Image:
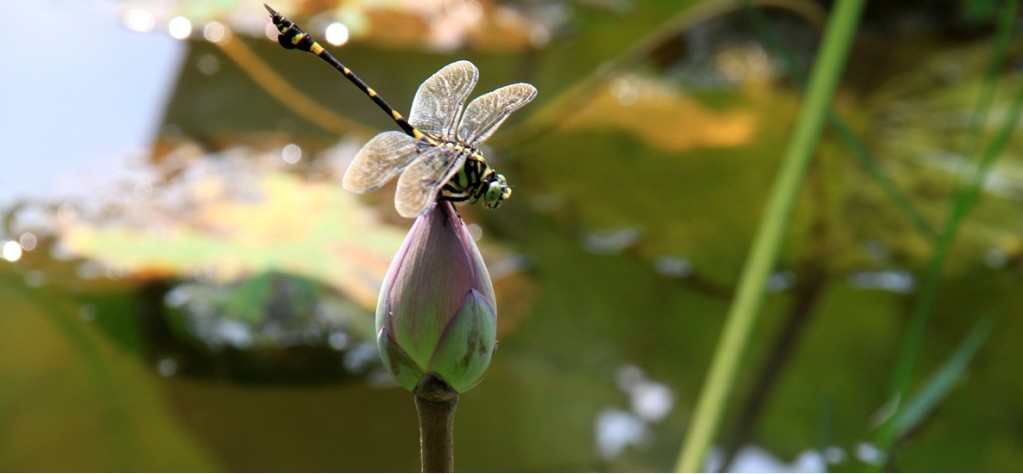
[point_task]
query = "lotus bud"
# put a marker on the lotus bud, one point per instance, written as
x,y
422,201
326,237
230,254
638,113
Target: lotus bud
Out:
x,y
436,313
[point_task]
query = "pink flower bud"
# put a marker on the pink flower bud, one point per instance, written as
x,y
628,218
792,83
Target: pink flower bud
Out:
x,y
436,312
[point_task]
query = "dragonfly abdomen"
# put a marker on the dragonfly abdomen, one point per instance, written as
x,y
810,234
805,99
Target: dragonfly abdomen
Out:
x,y
293,37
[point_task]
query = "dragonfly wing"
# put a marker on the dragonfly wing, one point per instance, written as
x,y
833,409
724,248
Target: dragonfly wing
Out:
x,y
379,160
439,100
419,184
488,111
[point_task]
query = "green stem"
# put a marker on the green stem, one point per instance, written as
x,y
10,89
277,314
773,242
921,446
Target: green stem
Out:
x,y
742,315
842,129
935,266
987,92
435,403
873,166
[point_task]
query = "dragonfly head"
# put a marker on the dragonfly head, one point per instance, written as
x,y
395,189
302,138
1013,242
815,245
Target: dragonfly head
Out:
x,y
497,190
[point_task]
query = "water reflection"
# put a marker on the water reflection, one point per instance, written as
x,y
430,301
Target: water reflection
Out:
x,y
673,266
612,241
269,327
618,429
869,454
243,269
753,458
649,402
895,281
246,265
270,310
361,358
780,281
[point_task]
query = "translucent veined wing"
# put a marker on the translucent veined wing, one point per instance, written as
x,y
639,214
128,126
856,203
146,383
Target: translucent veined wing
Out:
x,y
485,113
420,183
439,100
379,160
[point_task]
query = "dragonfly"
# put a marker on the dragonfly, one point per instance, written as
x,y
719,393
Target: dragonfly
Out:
x,y
437,153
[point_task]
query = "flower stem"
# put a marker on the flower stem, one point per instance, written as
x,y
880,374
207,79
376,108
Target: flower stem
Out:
x,y
742,316
436,402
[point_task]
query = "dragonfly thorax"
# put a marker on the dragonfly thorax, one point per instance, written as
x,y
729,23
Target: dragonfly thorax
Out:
x,y
476,180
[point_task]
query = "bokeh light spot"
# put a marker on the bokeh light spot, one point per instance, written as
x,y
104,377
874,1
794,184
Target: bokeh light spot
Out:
x,y
11,251
139,20
216,32
291,153
208,64
179,27
28,241
336,34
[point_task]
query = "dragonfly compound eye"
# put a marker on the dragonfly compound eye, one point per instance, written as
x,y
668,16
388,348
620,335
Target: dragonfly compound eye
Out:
x,y
497,191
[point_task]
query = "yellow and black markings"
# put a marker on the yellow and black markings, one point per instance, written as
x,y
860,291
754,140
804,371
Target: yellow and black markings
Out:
x,y
473,180
292,37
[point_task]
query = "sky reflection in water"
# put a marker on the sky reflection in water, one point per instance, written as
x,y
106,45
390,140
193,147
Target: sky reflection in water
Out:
x,y
85,101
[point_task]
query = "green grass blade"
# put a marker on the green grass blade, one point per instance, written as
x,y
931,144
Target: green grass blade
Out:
x,y
842,129
967,195
941,382
1003,36
960,208
767,243
873,166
